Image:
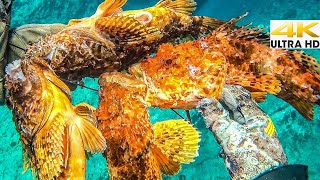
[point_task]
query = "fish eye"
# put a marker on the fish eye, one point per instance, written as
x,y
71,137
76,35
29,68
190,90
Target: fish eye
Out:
x,y
168,61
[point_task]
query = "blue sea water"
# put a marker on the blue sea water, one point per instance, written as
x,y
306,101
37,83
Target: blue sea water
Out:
x,y
299,137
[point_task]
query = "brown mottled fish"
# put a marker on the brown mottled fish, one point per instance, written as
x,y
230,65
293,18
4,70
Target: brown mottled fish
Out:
x,y
136,148
55,135
112,40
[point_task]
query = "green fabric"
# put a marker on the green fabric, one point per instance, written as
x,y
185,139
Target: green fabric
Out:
x,y
21,37
5,7
18,41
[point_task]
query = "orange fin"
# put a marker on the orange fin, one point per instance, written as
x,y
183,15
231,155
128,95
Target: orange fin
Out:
x,y
305,108
180,6
255,83
259,96
307,61
167,165
127,30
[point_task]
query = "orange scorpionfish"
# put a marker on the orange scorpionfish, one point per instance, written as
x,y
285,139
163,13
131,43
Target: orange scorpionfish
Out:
x,y
112,40
55,135
178,76
136,148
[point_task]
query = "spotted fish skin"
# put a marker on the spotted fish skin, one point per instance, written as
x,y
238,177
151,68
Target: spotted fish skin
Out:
x,y
54,134
136,148
291,75
250,146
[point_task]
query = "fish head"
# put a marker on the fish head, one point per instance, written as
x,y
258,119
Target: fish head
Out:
x,y
24,79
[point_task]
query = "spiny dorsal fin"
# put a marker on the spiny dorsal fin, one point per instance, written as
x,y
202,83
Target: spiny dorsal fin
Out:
x,y
177,139
229,25
180,6
167,165
212,23
127,30
254,33
49,148
109,7
92,138
106,8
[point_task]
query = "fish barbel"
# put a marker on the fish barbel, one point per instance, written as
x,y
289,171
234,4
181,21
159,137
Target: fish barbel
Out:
x,y
178,76
136,148
54,134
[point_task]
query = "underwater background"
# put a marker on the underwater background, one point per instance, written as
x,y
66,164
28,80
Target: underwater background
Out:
x,y
299,137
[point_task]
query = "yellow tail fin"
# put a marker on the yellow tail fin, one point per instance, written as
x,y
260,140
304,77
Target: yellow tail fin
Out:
x,y
92,138
177,139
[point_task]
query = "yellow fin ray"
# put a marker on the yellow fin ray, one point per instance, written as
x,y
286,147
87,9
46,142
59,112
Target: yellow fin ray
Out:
x,y
92,138
109,7
180,6
49,148
177,139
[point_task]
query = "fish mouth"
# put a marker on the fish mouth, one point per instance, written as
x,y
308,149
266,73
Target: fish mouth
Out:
x,y
14,71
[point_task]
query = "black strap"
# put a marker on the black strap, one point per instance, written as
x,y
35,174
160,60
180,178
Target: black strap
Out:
x,y
296,171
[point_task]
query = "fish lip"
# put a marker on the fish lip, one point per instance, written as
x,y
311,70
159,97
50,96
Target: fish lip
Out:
x,y
14,71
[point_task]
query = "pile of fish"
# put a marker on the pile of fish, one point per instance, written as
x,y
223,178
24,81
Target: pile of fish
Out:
x,y
114,45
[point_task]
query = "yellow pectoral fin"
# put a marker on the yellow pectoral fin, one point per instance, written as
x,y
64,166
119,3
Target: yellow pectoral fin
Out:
x,y
92,138
50,148
167,165
127,30
177,139
180,6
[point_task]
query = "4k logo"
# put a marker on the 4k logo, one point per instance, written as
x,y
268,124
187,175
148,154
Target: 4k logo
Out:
x,y
296,34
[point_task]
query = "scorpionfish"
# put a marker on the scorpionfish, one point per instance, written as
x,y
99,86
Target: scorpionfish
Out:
x,y
136,148
179,75
55,135
111,40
